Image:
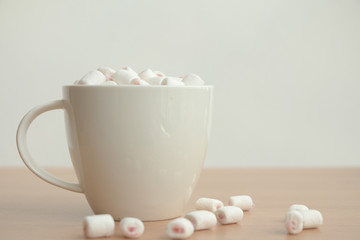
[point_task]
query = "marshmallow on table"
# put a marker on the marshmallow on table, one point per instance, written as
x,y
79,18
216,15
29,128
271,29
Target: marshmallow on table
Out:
x,y
296,221
147,74
172,81
131,227
298,207
244,202
229,214
179,228
98,226
193,80
108,72
123,76
208,204
202,219
92,78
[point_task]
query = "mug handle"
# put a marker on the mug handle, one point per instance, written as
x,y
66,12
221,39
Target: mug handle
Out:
x,y
24,151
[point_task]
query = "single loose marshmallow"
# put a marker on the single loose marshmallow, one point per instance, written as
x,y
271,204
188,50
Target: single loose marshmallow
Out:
x,y
123,76
139,81
202,219
208,204
92,78
242,201
98,226
155,80
147,74
193,80
298,207
312,219
131,227
296,221
179,228
108,72
229,214
172,81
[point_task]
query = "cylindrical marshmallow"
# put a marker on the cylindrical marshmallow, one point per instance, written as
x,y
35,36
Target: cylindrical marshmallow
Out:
x,y
242,201
172,81
123,76
159,74
202,219
98,226
229,214
298,207
179,228
208,204
92,78
155,80
130,70
107,71
139,81
193,80
147,74
109,83
312,219
131,227
294,222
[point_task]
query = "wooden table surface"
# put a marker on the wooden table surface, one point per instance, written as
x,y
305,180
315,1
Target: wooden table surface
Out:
x,y
33,209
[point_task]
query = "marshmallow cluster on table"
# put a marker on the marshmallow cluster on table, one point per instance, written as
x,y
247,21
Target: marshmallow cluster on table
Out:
x,y
209,212
127,76
300,217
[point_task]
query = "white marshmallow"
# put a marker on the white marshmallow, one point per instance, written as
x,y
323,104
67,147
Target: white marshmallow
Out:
x,y
92,78
208,204
229,214
242,201
312,219
108,72
123,76
131,227
130,70
172,81
147,74
179,228
193,80
298,207
296,221
139,81
159,74
155,80
95,226
110,83
202,219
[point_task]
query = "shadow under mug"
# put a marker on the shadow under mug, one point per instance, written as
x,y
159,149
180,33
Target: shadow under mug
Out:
x,y
137,151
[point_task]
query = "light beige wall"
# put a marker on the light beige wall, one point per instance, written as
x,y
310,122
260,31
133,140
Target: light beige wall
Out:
x,y
286,73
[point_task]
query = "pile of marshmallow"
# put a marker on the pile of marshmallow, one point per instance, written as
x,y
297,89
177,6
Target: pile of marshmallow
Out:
x,y
127,76
300,217
209,213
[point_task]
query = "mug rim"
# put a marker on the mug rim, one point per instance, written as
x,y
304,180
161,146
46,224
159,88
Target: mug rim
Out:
x,y
136,86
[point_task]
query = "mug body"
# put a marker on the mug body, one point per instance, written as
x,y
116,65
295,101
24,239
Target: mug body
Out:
x,y
138,151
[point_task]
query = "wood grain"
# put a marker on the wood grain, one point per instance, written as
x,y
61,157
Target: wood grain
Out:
x,y
33,209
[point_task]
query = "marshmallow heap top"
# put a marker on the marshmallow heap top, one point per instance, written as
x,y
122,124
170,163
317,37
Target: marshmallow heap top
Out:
x,y
127,76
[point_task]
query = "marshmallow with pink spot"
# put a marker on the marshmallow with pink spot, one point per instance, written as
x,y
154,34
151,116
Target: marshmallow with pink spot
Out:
x,y
127,76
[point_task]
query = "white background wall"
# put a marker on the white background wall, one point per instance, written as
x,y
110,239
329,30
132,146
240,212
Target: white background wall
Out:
x,y
286,73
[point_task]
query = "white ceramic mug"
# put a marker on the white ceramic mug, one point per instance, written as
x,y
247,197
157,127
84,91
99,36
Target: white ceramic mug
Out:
x,y
137,151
